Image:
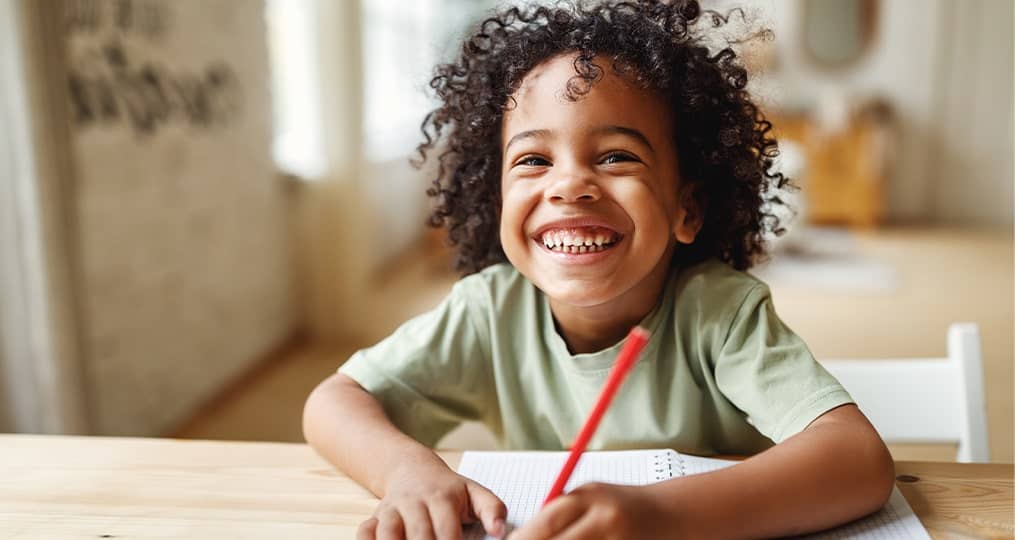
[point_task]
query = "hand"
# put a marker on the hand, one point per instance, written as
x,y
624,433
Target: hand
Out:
x,y
599,511
432,502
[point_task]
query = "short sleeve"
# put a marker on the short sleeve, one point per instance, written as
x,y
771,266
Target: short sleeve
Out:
x,y
431,373
766,371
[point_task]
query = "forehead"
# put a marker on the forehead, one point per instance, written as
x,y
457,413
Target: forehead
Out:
x,y
542,102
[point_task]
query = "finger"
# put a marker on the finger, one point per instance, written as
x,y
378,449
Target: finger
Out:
x,y
389,525
557,516
367,530
490,510
585,527
445,519
416,521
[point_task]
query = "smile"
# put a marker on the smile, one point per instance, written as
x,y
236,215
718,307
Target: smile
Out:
x,y
576,240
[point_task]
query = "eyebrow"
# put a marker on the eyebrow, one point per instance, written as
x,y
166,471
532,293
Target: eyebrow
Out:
x,y
607,129
532,133
630,132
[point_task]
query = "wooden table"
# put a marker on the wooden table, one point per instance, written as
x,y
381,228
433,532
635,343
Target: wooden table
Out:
x,y
95,487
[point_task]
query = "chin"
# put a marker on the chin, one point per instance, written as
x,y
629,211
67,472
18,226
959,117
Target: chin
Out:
x,y
577,293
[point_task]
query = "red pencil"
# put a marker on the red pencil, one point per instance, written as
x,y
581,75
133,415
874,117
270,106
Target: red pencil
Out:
x,y
636,341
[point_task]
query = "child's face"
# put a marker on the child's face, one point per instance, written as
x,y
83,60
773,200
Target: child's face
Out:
x,y
601,170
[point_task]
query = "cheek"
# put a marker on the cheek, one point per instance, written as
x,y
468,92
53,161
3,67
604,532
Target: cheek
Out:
x,y
656,230
649,209
513,212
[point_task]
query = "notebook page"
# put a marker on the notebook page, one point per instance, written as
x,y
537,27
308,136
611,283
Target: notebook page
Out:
x,y
895,521
695,465
523,479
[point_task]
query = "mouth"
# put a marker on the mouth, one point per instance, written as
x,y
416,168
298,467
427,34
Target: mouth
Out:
x,y
577,240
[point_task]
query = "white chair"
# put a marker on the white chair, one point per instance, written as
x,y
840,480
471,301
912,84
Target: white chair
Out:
x,y
932,400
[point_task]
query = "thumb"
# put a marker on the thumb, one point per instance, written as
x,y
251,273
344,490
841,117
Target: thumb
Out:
x,y
490,510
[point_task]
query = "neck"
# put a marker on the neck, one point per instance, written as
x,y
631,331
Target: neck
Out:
x,y
588,329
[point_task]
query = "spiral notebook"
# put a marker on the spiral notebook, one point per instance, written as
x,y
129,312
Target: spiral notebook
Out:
x,y
522,480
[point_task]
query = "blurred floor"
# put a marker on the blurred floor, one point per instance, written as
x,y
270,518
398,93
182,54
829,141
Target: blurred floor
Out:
x,y
268,403
945,275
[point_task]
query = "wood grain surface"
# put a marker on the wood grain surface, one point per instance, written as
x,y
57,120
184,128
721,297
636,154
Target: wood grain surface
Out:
x,y
959,500
56,487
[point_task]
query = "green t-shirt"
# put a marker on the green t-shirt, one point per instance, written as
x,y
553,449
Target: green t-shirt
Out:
x,y
721,373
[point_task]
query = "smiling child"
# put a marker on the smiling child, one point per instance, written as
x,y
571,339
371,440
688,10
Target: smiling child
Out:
x,y
601,168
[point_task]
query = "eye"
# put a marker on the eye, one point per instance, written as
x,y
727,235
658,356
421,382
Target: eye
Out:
x,y
532,161
617,157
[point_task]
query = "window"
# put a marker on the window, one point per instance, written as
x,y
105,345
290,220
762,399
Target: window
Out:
x,y
402,41
298,145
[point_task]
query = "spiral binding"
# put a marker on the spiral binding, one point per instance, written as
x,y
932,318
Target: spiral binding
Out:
x,y
666,465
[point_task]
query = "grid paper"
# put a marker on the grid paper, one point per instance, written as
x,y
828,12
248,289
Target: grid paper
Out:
x,y
522,480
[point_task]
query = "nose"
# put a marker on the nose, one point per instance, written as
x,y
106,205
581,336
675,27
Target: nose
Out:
x,y
573,186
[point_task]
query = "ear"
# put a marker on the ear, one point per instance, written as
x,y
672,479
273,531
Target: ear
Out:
x,y
690,216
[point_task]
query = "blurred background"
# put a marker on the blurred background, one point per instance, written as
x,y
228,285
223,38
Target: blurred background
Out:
x,y
206,205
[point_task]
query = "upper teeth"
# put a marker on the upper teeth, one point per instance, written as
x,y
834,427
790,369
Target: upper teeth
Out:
x,y
570,238
558,239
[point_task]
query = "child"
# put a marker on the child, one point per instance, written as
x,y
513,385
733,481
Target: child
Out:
x,y
600,168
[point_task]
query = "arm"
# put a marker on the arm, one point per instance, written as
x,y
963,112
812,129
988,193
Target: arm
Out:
x,y
836,470
348,427
339,419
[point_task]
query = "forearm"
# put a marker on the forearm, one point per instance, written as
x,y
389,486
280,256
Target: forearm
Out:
x,y
831,473
348,427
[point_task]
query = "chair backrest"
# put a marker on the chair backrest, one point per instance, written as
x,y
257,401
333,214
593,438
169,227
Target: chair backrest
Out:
x,y
924,400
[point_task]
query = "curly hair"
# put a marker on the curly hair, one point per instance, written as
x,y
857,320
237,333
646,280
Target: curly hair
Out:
x,y
725,149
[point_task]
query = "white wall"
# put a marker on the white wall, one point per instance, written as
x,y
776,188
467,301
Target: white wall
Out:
x,y
397,192
178,217
972,150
